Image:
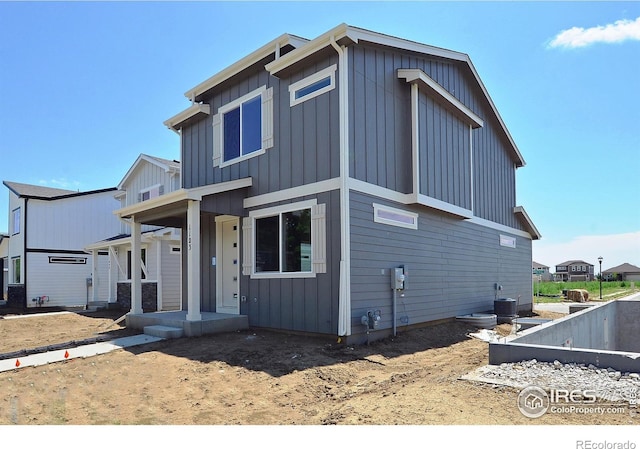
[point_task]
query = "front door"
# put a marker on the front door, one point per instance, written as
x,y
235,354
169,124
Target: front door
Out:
x,y
227,265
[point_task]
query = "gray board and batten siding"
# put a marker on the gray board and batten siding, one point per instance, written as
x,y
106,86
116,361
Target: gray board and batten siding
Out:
x,y
453,264
380,134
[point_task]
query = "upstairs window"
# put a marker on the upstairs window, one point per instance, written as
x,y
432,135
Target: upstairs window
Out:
x,y
151,192
16,221
243,128
313,85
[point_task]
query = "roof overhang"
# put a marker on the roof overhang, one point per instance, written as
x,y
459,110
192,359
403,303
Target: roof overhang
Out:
x,y
527,222
139,160
175,203
265,51
195,111
345,34
441,95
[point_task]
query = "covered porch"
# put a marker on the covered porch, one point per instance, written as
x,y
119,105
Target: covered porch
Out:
x,y
184,209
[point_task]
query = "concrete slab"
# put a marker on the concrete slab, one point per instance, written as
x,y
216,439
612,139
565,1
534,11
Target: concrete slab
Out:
x,y
158,330
78,352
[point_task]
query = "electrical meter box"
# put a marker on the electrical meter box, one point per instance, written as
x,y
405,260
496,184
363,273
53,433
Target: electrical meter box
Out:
x,y
398,278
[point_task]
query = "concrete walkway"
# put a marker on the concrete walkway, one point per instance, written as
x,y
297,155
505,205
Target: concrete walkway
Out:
x,y
73,353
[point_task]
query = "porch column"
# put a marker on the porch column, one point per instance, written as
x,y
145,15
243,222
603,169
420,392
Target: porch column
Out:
x,y
94,275
136,267
193,261
112,297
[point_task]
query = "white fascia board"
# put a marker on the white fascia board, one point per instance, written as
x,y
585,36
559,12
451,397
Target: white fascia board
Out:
x,y
355,35
142,157
520,160
182,195
193,110
242,64
528,223
424,81
443,206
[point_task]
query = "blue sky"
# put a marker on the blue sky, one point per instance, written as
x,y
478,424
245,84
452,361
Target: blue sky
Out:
x,y
85,88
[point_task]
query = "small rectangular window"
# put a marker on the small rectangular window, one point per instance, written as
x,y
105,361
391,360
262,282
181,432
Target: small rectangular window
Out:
x,y
16,221
242,128
68,260
312,86
394,217
509,242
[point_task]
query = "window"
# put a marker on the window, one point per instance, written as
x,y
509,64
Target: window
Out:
x,y
15,265
143,257
509,242
68,260
174,249
151,192
243,128
312,86
285,241
394,217
16,221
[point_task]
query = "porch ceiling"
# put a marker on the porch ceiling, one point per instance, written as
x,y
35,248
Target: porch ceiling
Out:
x,y
170,209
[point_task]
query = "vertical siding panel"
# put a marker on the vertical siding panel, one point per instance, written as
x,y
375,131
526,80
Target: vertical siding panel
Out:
x,y
309,147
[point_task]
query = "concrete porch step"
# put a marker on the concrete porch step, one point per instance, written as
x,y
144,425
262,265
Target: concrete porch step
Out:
x,y
158,330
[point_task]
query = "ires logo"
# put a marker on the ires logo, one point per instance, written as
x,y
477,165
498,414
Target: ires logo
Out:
x,y
533,401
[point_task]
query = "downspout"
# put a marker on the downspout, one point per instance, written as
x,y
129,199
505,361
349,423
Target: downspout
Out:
x,y
344,301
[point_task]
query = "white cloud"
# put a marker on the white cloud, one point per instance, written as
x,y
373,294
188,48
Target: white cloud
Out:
x,y
615,250
618,31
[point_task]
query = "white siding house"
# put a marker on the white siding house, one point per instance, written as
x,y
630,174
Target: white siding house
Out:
x,y
49,228
148,178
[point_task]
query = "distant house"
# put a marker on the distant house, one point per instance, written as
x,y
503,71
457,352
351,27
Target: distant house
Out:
x,y
49,229
540,271
574,270
317,173
4,265
148,178
624,272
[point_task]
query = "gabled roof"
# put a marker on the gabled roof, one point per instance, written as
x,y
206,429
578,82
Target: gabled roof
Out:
x,y
46,193
165,164
535,264
624,268
346,34
572,262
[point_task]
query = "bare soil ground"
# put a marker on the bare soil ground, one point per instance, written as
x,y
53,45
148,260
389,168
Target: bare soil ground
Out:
x,y
258,377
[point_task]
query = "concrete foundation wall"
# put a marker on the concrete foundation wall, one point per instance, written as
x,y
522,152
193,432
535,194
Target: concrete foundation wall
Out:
x,y
594,328
603,335
628,323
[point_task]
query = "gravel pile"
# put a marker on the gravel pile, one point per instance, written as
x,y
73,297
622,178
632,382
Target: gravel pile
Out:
x,y
608,384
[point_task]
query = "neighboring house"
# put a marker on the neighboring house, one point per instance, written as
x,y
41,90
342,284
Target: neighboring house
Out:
x,y
541,272
312,170
49,229
4,265
148,178
574,270
624,272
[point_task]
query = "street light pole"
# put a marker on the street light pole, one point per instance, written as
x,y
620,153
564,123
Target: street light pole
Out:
x,y
600,260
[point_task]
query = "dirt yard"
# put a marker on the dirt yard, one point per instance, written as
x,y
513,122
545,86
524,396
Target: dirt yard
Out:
x,y
258,377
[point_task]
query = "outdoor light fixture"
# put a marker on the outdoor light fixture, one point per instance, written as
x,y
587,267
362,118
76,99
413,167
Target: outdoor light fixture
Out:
x,y
600,260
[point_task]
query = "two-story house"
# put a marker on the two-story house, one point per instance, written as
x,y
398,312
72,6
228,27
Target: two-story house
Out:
x,y
541,272
49,229
326,181
574,270
160,254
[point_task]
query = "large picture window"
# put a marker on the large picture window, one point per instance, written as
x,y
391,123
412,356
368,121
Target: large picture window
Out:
x,y
243,128
285,241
